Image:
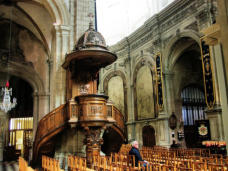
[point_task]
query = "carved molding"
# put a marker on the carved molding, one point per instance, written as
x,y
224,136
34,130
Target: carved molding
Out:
x,y
159,24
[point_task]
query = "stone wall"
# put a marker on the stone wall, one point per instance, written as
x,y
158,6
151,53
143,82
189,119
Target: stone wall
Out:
x,y
175,33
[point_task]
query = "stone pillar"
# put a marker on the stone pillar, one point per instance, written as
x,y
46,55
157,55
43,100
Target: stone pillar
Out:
x,y
130,100
163,133
216,114
168,93
2,119
43,105
223,64
40,109
35,113
72,22
93,143
215,121
59,74
3,128
131,131
1,136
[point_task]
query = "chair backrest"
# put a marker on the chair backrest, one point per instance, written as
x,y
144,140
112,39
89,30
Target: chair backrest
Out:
x,y
23,165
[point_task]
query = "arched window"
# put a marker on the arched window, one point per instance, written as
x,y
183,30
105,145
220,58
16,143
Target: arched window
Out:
x,y
193,104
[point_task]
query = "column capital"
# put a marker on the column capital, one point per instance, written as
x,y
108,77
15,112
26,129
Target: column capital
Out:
x,y
216,110
39,94
64,29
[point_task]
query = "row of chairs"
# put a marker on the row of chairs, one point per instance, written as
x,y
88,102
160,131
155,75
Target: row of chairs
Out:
x,y
50,164
179,151
23,165
162,158
115,162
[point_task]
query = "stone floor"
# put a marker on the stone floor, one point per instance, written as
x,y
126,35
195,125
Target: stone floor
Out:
x,y
9,166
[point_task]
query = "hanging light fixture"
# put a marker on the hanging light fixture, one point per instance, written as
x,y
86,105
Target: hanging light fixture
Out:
x,y
6,104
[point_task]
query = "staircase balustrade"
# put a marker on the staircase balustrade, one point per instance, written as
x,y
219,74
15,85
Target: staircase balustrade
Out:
x,y
55,121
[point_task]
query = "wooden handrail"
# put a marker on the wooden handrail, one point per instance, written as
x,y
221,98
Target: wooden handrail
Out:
x,y
48,126
55,121
44,120
118,116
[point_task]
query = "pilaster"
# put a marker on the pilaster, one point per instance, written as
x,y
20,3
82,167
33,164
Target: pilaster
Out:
x,y
215,121
168,93
3,129
59,74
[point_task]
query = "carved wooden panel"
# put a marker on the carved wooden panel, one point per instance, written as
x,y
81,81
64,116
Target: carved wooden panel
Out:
x,y
92,108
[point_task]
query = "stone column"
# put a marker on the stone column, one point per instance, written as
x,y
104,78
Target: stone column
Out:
x,y
35,114
222,63
168,93
215,115
1,135
3,129
163,133
59,74
215,121
72,22
40,109
2,119
169,104
43,105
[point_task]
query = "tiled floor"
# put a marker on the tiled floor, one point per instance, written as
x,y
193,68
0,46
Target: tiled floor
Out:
x,y
9,166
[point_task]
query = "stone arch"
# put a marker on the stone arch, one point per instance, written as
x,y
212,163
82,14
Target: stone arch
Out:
x,y
168,54
178,47
105,87
138,66
27,73
58,11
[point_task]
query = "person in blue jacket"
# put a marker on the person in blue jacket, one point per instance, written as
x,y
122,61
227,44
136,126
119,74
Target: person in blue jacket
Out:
x,y
135,151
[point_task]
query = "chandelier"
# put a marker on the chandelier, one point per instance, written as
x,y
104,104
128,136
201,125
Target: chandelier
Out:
x,y
6,104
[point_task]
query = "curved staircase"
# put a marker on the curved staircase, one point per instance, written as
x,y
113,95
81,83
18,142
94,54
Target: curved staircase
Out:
x,y
57,120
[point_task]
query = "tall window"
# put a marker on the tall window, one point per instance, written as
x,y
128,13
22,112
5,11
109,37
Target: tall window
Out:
x,y
193,104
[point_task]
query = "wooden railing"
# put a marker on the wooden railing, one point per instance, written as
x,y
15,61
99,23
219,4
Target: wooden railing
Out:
x,y
118,116
54,122
23,165
49,126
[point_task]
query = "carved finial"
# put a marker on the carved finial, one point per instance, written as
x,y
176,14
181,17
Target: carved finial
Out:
x,y
90,15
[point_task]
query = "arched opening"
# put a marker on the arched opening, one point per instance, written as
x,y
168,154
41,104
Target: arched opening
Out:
x,y
112,141
18,136
149,136
193,104
186,64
